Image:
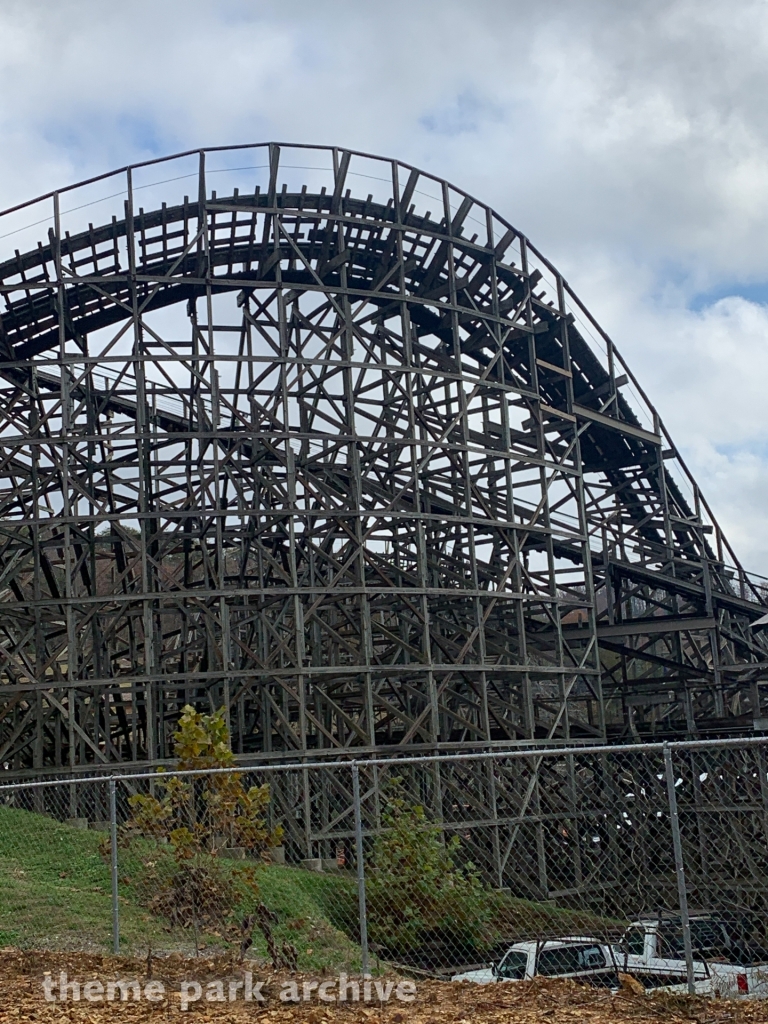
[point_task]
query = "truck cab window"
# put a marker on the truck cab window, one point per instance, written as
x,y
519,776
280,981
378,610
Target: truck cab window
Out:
x,y
670,943
591,957
633,941
564,960
570,960
707,936
513,966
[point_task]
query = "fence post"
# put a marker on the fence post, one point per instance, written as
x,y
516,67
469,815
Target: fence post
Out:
x,y
360,868
682,894
113,866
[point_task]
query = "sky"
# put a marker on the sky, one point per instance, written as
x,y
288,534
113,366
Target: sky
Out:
x,y
629,141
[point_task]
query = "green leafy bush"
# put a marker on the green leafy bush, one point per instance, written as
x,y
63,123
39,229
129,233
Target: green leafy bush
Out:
x,y
176,836
416,893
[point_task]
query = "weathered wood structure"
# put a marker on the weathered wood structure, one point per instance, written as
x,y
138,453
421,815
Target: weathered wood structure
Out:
x,y
321,438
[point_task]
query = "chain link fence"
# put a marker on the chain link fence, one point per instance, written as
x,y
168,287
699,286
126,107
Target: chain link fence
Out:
x,y
648,860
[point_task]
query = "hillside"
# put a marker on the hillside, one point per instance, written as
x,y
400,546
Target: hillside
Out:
x,y
55,893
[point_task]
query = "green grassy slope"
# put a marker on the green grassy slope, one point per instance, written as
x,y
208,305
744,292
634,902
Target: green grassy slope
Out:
x,y
55,888
55,892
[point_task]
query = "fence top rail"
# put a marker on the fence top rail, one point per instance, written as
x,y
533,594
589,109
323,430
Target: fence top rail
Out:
x,y
355,765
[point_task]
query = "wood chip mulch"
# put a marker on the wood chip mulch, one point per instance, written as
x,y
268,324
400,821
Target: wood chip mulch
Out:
x,y
551,1002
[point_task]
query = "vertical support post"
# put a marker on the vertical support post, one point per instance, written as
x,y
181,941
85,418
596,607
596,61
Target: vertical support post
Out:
x,y
360,868
682,894
113,866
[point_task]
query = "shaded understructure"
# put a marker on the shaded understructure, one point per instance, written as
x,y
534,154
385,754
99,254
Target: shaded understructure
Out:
x,y
359,467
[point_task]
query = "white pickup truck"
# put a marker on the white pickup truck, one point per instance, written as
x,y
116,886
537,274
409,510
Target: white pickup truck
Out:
x,y
652,951
583,959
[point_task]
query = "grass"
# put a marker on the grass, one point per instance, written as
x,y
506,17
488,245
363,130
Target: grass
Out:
x,y
55,893
518,919
55,889
316,912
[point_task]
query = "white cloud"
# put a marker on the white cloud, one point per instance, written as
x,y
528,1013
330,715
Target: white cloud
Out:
x,y
706,372
630,141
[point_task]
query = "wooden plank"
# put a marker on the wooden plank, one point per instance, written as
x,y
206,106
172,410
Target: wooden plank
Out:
x,y
555,369
613,424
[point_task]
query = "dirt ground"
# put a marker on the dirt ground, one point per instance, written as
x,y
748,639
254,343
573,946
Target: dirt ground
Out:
x,y
22,997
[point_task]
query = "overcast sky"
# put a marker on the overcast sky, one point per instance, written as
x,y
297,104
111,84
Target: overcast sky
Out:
x,y
628,140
